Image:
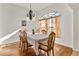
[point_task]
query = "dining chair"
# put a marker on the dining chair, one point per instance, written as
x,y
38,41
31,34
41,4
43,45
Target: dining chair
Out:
x,y
47,45
24,44
44,32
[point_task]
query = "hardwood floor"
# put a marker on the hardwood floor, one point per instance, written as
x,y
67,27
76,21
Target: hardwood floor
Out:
x,y
14,50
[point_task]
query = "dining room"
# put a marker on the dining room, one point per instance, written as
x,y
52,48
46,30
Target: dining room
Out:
x,y
37,29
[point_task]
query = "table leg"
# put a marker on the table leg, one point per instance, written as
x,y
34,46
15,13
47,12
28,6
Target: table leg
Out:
x,y
36,47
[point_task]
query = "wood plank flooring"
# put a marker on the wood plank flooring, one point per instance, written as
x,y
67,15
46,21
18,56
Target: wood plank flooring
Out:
x,y
14,50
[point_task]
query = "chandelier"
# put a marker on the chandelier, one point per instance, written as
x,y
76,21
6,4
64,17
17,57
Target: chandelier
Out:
x,y
31,15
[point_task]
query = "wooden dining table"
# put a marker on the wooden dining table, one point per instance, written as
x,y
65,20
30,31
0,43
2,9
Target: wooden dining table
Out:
x,y
35,38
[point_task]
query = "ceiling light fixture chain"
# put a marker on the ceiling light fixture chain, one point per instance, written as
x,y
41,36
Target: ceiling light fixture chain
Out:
x,y
30,6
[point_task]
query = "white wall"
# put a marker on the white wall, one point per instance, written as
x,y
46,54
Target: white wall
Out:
x,y
66,22
31,25
76,29
10,20
0,21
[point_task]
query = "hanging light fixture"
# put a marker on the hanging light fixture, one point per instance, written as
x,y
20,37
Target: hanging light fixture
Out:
x,y
31,15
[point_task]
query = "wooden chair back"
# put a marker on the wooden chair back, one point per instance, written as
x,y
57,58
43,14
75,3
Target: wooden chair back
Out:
x,y
51,40
44,32
23,38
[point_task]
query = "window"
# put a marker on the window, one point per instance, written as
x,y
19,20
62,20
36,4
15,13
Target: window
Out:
x,y
43,26
50,23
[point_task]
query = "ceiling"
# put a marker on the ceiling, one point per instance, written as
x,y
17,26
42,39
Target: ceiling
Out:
x,y
34,6
74,5
41,6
